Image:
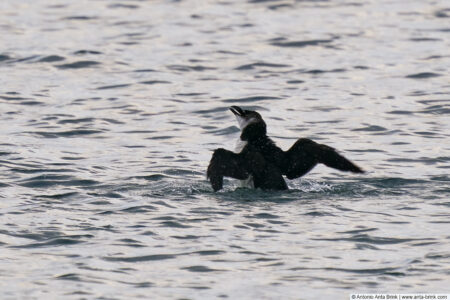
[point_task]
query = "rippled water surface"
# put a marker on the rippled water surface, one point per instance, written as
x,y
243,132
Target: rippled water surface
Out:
x,y
110,111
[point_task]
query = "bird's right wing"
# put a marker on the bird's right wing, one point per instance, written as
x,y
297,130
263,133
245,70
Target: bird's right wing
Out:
x,y
225,163
305,154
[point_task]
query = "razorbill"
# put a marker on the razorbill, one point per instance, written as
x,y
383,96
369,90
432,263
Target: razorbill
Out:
x,y
259,163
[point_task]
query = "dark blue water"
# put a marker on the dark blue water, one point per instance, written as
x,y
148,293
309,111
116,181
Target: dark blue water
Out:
x,y
110,111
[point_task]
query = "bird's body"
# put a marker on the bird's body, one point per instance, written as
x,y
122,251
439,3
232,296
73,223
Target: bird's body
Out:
x,y
259,163
245,183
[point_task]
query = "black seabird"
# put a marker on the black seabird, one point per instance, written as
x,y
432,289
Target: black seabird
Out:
x,y
261,164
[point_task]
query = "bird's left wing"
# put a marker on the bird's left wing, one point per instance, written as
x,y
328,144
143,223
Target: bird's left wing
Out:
x,y
225,163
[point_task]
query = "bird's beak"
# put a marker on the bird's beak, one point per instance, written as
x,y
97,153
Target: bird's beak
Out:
x,y
237,111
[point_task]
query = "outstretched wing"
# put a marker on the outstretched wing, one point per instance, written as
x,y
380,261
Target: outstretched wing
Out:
x,y
240,166
305,154
225,163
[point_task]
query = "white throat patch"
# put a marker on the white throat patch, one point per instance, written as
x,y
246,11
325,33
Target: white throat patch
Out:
x,y
244,122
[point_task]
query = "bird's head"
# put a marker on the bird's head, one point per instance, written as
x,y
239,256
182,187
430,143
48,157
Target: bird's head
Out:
x,y
245,117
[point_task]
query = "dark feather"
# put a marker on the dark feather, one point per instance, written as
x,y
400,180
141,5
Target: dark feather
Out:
x,y
305,154
266,175
225,163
